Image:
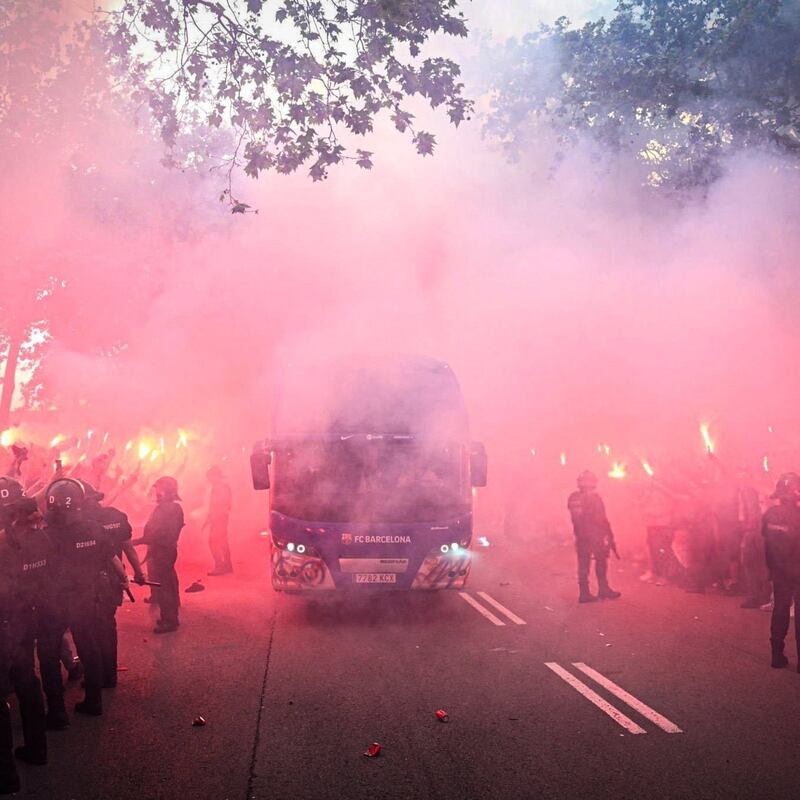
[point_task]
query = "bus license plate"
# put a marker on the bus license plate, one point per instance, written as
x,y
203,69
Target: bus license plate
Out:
x,y
376,577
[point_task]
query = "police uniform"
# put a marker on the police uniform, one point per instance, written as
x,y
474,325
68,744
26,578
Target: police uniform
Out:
x,y
118,531
219,509
781,530
83,554
592,536
25,558
161,534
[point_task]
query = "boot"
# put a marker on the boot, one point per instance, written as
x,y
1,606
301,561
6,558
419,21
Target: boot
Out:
x,y
92,703
585,595
57,718
607,593
779,660
9,779
166,627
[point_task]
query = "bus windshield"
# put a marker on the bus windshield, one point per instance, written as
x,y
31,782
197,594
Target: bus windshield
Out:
x,y
377,480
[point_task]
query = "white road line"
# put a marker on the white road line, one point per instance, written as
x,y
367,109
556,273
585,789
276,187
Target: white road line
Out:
x,y
595,698
502,609
480,609
626,697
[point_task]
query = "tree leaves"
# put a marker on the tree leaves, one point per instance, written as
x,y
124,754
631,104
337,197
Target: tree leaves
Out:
x,y
287,93
675,86
425,143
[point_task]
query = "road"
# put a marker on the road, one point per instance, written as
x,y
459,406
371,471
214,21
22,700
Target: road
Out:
x,y
293,693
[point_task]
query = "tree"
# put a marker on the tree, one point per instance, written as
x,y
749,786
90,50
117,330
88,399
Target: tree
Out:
x,y
78,173
677,84
297,81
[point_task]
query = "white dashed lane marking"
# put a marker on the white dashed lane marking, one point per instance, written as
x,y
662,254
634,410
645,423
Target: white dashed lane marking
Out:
x,y
626,697
480,609
502,609
592,696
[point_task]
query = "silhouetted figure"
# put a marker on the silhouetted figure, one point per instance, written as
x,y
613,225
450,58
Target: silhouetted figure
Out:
x,y
755,578
24,560
702,567
83,558
660,513
593,537
219,511
118,530
161,535
781,530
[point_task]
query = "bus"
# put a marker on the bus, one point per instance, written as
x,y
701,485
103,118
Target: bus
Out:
x,y
371,475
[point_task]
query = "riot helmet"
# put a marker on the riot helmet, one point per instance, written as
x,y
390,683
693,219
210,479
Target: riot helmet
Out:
x,y
166,488
787,487
10,491
65,498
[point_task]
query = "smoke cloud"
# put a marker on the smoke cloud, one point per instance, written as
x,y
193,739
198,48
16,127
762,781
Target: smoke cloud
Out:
x,y
576,308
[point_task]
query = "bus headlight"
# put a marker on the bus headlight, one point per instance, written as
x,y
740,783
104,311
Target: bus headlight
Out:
x,y
445,548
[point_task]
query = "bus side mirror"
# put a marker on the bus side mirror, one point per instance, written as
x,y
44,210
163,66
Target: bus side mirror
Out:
x,y
478,464
260,460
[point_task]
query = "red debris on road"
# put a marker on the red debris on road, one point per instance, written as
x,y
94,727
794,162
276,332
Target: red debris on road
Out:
x,y
373,750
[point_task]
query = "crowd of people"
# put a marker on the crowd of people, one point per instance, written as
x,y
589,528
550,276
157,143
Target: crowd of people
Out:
x,y
63,548
731,539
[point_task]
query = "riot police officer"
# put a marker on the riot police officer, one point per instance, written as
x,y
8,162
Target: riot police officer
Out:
x,y
161,534
593,537
781,530
24,561
83,555
118,530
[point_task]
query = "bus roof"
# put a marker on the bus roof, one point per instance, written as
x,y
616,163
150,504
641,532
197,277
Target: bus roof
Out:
x,y
412,395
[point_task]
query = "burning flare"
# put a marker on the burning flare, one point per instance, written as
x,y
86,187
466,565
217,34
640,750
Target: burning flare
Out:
x,y
707,440
647,468
7,437
617,471
56,440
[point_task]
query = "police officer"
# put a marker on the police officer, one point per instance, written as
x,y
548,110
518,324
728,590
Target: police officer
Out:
x,y
24,561
219,510
161,534
83,556
593,537
781,530
118,530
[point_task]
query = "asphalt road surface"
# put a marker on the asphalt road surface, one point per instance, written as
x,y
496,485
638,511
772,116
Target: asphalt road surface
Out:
x,y
660,694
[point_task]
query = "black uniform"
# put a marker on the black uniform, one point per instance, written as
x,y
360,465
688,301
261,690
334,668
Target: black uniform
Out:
x,y
118,531
161,535
703,565
83,555
25,558
592,537
781,530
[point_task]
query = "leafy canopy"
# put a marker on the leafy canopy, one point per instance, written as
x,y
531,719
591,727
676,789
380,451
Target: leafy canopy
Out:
x,y
295,80
677,84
